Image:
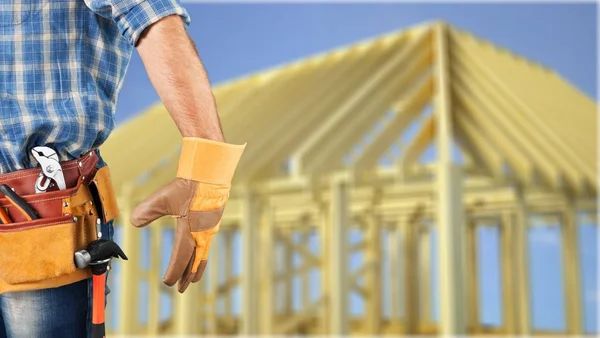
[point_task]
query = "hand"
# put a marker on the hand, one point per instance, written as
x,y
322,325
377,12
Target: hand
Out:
x,y
197,198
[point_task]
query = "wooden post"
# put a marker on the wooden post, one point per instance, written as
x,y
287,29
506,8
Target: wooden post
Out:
x,y
250,286
411,283
508,276
338,254
373,278
396,268
154,278
305,300
472,293
450,220
288,268
324,228
267,249
129,295
571,270
424,258
521,248
213,276
186,308
227,265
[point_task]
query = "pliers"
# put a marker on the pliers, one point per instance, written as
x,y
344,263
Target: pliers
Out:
x,y
51,169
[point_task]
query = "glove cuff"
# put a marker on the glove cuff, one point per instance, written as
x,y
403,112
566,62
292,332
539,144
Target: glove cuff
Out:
x,y
208,161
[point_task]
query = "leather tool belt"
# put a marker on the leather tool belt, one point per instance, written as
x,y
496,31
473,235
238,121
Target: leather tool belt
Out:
x,y
38,254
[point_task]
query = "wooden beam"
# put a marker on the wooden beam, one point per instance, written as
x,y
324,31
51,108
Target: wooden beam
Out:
x,y
521,248
227,237
396,272
250,285
305,277
419,143
291,324
410,274
289,271
450,220
481,148
373,255
129,294
324,230
571,269
338,276
302,249
374,98
214,288
424,257
494,111
154,278
307,116
473,296
548,134
508,277
267,286
405,111
518,159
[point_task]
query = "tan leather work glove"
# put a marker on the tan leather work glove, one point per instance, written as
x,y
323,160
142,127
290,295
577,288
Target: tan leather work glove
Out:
x,y
196,197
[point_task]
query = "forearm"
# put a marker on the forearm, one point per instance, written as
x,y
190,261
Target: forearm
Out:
x,y
180,79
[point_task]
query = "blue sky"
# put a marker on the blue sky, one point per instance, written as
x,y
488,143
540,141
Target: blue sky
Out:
x,y
235,40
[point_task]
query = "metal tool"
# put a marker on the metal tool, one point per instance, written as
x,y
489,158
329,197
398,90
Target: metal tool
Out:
x,y
18,202
98,255
51,169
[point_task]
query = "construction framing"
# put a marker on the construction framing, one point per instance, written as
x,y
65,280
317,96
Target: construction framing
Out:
x,y
326,156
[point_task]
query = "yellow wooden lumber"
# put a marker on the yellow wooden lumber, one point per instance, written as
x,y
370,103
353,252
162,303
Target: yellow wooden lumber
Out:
x,y
309,164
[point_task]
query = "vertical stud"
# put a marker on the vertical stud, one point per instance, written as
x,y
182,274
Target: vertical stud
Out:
x,y
250,213
338,253
571,270
449,201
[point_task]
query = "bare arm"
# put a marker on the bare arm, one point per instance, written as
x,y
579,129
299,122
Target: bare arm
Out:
x,y
177,74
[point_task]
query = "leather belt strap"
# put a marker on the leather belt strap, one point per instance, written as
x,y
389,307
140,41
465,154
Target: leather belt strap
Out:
x,y
23,181
50,203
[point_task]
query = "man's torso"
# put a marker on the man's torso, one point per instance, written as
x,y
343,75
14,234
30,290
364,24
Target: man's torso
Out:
x,y
61,68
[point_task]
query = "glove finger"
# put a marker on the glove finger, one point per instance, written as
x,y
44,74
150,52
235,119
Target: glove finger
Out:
x,y
187,276
181,256
200,272
198,261
168,200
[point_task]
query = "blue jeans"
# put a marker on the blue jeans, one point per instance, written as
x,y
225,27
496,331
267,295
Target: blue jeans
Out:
x,y
64,312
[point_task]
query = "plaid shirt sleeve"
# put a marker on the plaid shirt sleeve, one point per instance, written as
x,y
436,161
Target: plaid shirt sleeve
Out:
x,y
134,16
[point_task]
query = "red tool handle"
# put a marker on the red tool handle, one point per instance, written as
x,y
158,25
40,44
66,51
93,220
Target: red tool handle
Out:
x,y
98,329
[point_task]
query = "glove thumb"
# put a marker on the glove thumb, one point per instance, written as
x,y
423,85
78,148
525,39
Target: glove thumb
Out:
x,y
159,204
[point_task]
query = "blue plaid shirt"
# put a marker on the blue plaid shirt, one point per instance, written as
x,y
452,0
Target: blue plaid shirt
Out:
x,y
62,64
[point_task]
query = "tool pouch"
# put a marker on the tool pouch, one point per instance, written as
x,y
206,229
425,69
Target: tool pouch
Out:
x,y
39,254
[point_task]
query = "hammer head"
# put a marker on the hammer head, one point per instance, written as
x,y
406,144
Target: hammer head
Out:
x,y
98,251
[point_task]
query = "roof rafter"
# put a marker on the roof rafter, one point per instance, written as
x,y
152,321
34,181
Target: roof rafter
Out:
x,y
363,93
306,115
544,141
405,111
480,147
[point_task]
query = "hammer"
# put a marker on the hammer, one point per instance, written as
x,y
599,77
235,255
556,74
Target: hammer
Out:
x,y
97,255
